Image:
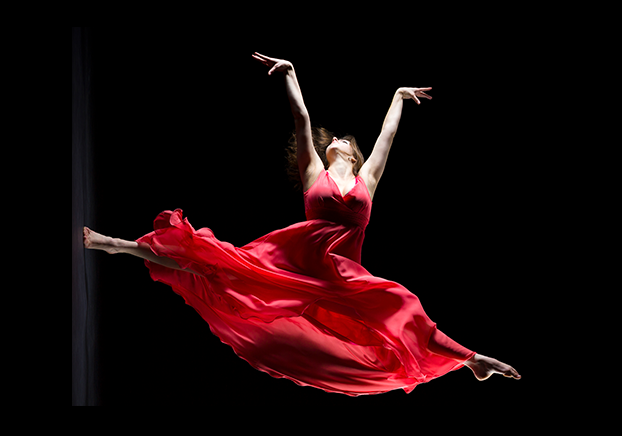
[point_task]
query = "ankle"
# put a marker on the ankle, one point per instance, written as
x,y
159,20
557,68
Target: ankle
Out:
x,y
473,361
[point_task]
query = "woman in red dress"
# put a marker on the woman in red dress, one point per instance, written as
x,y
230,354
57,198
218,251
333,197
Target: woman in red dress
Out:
x,y
297,303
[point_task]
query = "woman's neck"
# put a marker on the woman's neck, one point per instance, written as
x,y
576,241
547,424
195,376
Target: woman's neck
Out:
x,y
341,169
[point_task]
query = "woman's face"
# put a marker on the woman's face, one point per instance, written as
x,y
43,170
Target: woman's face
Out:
x,y
341,146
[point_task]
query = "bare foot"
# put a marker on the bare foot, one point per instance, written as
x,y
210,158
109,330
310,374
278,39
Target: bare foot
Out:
x,y
97,241
483,367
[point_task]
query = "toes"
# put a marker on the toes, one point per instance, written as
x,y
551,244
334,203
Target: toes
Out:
x,y
87,237
512,373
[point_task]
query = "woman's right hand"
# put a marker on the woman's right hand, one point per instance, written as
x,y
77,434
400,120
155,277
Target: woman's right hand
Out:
x,y
274,64
414,93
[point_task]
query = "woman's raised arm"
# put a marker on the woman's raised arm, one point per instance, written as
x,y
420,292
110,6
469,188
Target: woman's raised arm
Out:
x,y
309,163
374,166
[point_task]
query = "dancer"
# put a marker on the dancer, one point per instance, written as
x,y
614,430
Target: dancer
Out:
x,y
297,303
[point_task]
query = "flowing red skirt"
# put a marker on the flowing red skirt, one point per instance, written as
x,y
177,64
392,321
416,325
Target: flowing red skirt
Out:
x,y
292,307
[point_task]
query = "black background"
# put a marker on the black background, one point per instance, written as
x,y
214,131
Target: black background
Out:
x,y
185,118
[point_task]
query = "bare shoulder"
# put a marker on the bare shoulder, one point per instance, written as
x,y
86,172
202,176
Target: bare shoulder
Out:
x,y
310,175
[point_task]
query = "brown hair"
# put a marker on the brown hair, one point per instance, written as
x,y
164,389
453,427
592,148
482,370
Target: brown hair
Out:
x,y
321,140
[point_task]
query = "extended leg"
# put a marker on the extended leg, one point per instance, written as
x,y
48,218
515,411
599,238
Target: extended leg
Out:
x,y
97,241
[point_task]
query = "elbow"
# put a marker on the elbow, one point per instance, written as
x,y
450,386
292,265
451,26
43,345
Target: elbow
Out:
x,y
301,115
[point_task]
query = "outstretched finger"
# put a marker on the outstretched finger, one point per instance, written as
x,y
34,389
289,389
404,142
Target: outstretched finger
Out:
x,y
264,57
260,60
423,94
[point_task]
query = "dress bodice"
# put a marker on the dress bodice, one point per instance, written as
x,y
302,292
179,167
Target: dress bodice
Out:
x,y
323,200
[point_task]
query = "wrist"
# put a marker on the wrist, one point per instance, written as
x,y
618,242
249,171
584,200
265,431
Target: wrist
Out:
x,y
289,70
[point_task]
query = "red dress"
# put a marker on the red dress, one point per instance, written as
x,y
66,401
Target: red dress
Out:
x,y
296,303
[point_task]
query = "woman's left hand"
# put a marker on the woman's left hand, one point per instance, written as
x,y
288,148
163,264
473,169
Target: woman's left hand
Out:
x,y
414,93
274,64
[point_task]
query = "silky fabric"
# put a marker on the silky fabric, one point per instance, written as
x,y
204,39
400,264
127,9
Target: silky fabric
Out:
x,y
296,303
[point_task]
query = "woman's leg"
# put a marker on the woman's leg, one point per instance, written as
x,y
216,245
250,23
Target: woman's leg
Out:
x,y
482,366
97,241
